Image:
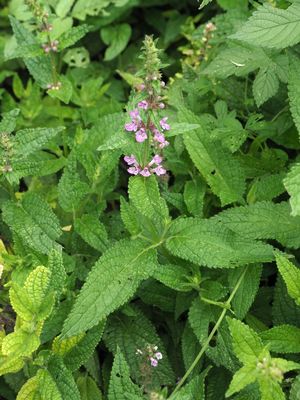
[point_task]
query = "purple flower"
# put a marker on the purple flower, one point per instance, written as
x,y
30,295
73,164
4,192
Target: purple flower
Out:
x,y
130,160
158,355
131,126
143,104
153,362
164,125
157,159
141,135
134,170
159,170
145,172
135,114
164,144
158,136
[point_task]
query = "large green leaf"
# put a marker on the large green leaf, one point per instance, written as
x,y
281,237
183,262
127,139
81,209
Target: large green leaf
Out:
x,y
111,282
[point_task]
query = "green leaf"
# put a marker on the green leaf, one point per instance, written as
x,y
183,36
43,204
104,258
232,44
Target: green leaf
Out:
x,y
63,378
39,67
117,38
282,339
83,350
295,389
47,387
236,60
266,187
33,221
130,217
121,386
247,290
246,343
218,166
71,36
265,85
144,195
242,378
294,91
272,27
92,231
130,333
88,388
58,272
264,220
204,3
173,276
194,192
64,93
291,276
29,390
292,184
28,141
194,389
111,282
20,343
270,389
71,188
208,243
9,121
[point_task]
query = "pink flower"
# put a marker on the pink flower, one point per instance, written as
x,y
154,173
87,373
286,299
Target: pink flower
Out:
x,y
134,170
141,135
131,126
157,159
164,125
158,136
135,114
130,160
145,172
164,144
143,104
161,105
158,355
153,362
159,170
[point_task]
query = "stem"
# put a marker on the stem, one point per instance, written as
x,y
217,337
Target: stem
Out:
x,y
211,335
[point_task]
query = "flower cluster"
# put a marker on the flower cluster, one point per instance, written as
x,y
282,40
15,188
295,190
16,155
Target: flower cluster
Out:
x,y
51,46
152,354
143,118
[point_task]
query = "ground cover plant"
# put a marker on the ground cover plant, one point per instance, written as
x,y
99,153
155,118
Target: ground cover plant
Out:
x,y
150,200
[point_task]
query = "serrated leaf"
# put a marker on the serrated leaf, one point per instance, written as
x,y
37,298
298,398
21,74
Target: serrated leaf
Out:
x,y
295,389
193,389
130,217
130,333
83,350
272,27
282,339
247,290
34,221
173,276
246,343
117,38
265,85
144,195
292,184
291,276
266,187
64,93
39,67
194,192
270,389
71,36
47,387
208,243
29,390
20,343
58,272
264,220
92,231
10,365
28,141
111,282
236,60
218,166
9,121
63,379
88,388
242,378
121,386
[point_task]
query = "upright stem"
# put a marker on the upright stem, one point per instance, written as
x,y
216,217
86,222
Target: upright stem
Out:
x,y
211,335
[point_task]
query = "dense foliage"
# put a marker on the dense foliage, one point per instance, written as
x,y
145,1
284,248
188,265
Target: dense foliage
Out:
x,y
150,200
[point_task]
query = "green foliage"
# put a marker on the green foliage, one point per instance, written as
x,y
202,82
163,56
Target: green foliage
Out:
x,y
127,261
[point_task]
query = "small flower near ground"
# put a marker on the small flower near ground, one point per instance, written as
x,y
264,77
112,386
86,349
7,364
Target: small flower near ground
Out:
x,y
143,104
141,135
164,125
